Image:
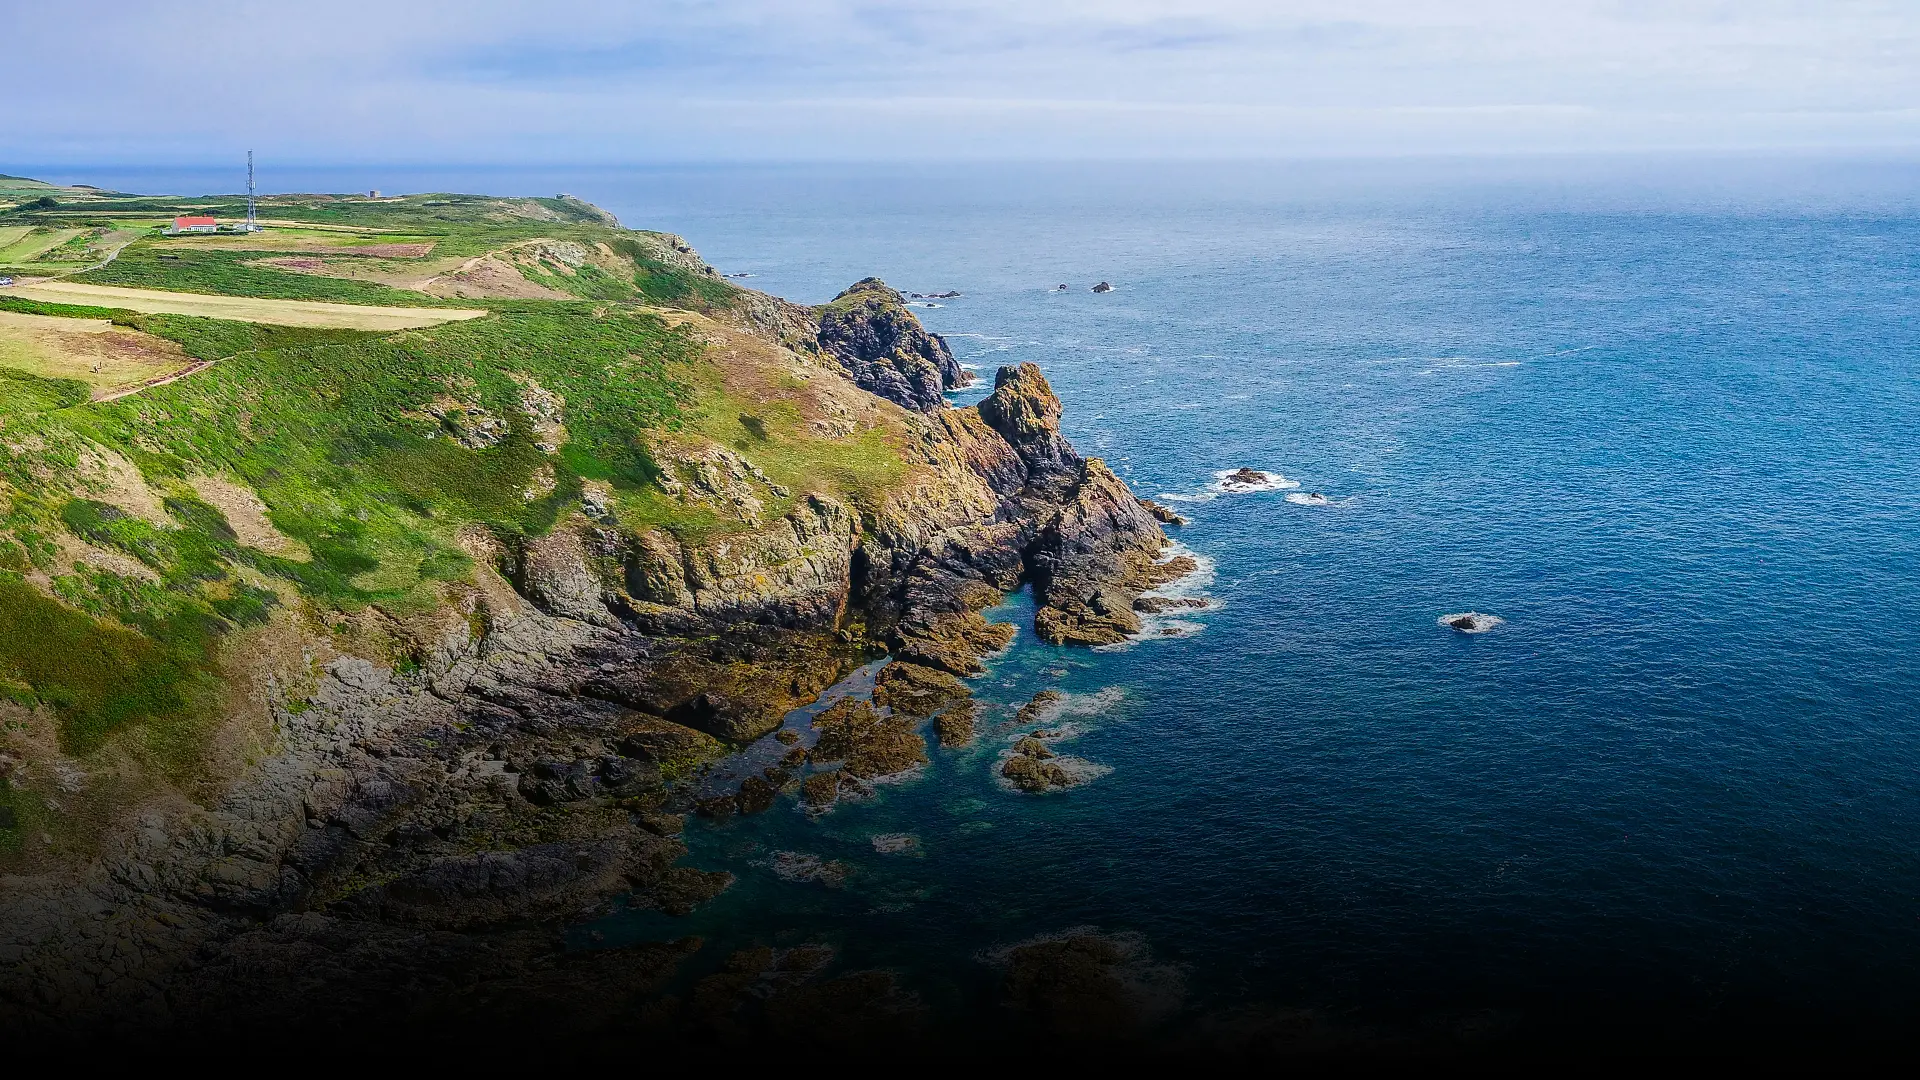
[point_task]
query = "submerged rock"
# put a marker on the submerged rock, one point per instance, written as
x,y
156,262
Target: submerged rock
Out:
x,y
1154,605
1090,986
1103,287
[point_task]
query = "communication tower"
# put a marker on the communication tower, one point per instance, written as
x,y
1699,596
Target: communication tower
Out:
x,y
252,225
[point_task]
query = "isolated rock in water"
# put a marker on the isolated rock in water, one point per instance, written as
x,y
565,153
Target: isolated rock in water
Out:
x,y
756,795
1031,774
1103,287
1039,707
1471,622
1032,747
1245,477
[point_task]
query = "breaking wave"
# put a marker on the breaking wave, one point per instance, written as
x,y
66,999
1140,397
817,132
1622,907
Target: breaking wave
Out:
x,y
1241,481
1313,498
1470,622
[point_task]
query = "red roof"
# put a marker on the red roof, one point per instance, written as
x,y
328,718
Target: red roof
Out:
x,y
184,222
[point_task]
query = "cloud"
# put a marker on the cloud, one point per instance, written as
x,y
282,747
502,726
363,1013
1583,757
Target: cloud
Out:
x,y
595,80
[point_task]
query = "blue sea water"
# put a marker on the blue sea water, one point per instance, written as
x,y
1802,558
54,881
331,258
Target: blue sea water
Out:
x,y
1669,437
1663,424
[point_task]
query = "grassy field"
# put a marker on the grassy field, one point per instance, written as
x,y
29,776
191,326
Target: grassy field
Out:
x,y
94,351
35,242
245,309
337,437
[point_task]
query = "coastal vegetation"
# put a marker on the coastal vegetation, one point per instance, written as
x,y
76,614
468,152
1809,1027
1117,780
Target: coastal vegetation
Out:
x,y
368,452
407,564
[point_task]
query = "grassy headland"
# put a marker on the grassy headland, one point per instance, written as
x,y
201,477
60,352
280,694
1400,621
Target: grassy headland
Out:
x,y
126,569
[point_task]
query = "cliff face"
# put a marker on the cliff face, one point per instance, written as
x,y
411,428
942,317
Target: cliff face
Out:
x,y
406,828
884,349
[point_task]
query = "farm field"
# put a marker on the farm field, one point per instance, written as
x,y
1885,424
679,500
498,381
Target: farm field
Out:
x,y
31,243
245,309
307,238
104,356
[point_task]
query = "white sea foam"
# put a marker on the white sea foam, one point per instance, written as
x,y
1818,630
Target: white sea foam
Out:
x,y
1310,498
1177,621
1470,622
1078,769
1232,482
1092,703
1237,482
895,843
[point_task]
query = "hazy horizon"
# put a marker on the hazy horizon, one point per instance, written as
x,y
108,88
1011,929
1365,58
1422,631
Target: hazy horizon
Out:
x,y
835,80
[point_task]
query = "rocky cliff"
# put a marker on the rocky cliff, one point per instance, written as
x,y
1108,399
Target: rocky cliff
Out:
x,y
406,842
884,349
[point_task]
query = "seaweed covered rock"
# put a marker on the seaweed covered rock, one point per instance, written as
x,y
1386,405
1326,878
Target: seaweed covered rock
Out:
x,y
870,744
735,686
952,643
954,726
916,690
1034,774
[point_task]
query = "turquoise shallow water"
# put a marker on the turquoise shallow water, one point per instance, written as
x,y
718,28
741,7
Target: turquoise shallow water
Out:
x,y
1666,433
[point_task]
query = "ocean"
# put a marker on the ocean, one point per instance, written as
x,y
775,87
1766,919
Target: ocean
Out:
x,y
1659,418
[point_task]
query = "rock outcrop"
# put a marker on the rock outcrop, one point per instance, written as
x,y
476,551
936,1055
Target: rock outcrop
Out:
x,y
884,349
525,769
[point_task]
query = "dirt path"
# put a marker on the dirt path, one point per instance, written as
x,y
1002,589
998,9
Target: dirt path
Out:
x,y
161,380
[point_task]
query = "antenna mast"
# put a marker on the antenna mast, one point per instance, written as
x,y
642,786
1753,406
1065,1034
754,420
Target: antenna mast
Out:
x,y
252,226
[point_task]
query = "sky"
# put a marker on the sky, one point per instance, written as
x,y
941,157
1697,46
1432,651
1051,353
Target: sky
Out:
x,y
487,81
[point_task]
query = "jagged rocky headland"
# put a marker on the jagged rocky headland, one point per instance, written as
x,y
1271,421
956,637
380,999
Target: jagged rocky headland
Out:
x,y
394,805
